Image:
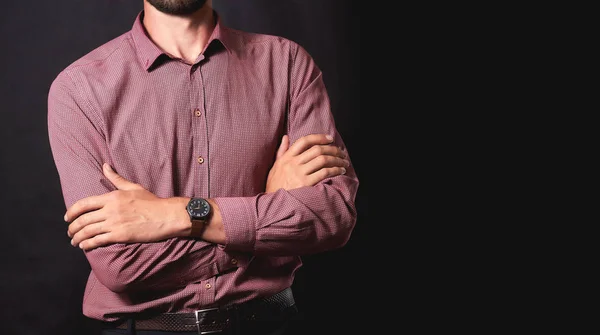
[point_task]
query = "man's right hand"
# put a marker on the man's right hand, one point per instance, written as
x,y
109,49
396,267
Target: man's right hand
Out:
x,y
308,161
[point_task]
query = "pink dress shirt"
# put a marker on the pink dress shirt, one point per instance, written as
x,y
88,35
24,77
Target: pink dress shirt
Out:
x,y
208,129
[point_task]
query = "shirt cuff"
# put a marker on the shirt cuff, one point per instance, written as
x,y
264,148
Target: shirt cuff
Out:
x,y
239,222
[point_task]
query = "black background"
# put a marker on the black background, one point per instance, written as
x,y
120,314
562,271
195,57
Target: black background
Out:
x,y
42,277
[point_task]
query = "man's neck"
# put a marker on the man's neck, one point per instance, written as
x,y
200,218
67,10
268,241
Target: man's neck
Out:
x,y
182,37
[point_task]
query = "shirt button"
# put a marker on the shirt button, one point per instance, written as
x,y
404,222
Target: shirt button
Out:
x,y
207,286
200,160
197,112
234,261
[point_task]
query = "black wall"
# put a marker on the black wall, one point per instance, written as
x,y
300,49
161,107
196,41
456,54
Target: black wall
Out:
x,y
41,276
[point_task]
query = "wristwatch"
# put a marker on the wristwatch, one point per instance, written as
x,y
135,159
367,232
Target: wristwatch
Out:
x,y
199,211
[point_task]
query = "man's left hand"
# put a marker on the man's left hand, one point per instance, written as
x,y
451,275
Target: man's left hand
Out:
x,y
126,215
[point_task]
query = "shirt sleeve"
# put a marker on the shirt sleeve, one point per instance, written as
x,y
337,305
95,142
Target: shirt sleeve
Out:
x,y
305,220
79,149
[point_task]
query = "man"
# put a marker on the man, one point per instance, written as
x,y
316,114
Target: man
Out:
x,y
198,163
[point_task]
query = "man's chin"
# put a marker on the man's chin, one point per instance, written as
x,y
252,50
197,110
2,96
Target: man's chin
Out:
x,y
177,7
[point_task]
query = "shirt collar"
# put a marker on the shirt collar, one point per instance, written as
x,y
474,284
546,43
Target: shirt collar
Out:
x,y
148,52
222,34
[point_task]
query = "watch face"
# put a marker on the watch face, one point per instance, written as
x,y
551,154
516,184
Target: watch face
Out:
x,y
198,208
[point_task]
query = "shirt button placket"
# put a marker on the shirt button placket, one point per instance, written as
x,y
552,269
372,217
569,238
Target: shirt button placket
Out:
x,y
200,140
198,113
208,292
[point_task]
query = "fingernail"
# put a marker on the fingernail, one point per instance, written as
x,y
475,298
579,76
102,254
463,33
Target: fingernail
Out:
x,y
107,166
66,218
73,244
343,171
80,245
329,137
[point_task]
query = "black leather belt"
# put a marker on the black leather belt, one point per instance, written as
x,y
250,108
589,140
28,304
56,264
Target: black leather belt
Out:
x,y
262,311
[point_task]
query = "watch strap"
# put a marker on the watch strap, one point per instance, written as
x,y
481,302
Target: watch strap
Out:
x,y
197,227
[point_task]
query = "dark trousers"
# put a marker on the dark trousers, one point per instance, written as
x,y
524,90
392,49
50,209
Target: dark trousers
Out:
x,y
288,327
283,330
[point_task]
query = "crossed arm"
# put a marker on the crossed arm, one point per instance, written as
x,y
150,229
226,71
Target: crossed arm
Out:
x,y
114,223
133,214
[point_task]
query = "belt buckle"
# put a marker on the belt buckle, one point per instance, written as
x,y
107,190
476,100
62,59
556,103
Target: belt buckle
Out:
x,y
196,313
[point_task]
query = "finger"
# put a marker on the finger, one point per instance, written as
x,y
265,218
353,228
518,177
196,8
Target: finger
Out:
x,y
97,241
324,173
88,232
84,220
305,142
285,144
319,150
116,179
321,162
85,205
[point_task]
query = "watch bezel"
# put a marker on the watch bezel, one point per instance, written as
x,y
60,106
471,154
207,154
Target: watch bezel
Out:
x,y
198,209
